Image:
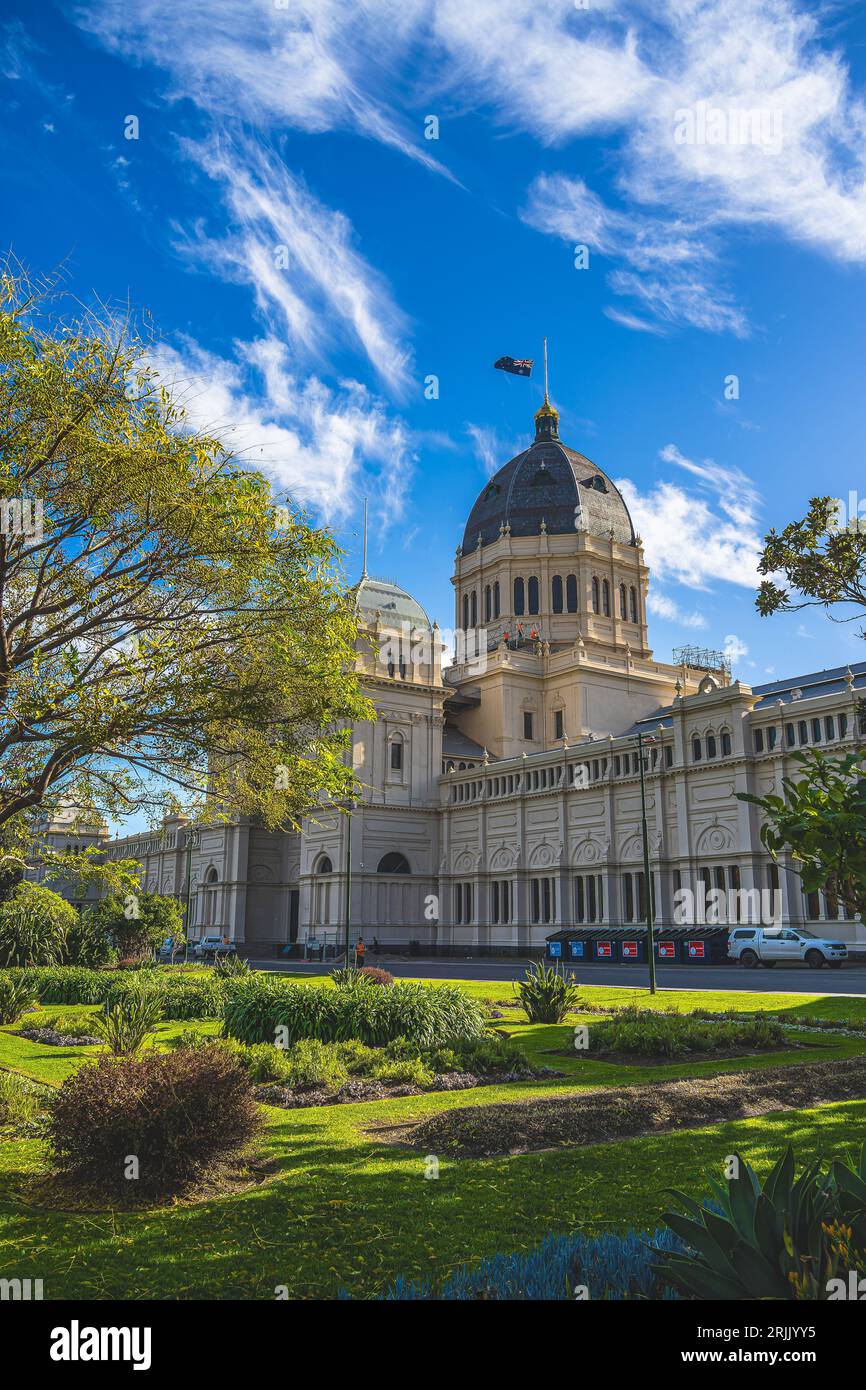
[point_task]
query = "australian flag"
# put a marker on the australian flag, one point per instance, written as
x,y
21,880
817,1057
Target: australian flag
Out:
x,y
519,366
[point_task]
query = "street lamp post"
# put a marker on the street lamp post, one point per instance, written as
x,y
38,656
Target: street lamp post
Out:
x,y
650,943
192,840
348,879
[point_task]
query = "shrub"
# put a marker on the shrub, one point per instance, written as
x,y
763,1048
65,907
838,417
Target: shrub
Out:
x,y
492,1053
256,1008
655,1033
21,1101
357,1057
125,1024
376,976
180,1113
230,967
310,1063
159,916
788,1238
16,995
183,995
409,1070
545,995
88,943
70,1025
34,924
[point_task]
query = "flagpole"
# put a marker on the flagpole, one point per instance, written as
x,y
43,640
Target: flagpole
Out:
x,y
546,402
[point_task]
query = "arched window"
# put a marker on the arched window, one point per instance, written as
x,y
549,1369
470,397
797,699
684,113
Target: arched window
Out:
x,y
532,590
518,597
571,593
496,599
711,745
488,604
396,757
726,744
623,611
632,597
211,898
474,601
605,598
696,750
324,865
556,588
393,863
465,611
594,594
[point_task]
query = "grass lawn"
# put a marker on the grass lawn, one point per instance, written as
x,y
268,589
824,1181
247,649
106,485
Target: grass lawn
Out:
x,y
345,1211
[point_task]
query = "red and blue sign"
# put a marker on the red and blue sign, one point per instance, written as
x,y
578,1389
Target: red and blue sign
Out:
x,y
695,948
629,949
667,950
603,949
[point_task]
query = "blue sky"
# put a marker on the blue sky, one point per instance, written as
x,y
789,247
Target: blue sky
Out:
x,y
309,257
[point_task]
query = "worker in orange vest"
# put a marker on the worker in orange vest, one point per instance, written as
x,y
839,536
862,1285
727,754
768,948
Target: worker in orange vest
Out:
x,y
360,948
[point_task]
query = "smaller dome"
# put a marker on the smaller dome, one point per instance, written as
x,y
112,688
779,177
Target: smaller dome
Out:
x,y
374,596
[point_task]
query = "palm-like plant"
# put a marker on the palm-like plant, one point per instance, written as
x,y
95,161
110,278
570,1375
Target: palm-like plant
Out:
x,y
785,1239
124,1025
546,995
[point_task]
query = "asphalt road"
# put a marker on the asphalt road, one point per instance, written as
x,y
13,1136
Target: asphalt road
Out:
x,y
784,979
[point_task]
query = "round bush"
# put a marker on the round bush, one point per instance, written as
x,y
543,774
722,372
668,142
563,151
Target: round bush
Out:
x,y
377,976
34,925
178,1113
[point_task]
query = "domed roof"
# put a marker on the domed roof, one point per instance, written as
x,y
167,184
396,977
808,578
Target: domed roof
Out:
x,y
394,604
545,484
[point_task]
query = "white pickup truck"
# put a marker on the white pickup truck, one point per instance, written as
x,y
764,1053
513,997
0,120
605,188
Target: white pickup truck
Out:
x,y
767,946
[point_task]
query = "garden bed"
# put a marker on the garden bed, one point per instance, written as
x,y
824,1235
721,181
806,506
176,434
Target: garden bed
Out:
x,y
358,1089
49,1037
625,1112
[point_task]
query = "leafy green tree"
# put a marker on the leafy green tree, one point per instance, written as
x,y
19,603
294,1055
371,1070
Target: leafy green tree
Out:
x,y
164,622
813,562
821,821
34,926
137,923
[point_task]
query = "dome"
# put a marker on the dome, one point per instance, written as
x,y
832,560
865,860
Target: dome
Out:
x,y
545,484
394,604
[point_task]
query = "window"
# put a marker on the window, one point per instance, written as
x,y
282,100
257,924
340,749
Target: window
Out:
x,y
829,729
616,765
496,599
772,737
588,898
532,591
813,907
843,726
393,863
542,900
726,744
462,903
571,593
669,755
627,898
474,604
790,737
488,603
324,866
711,745
527,724
802,731
759,740
605,598
556,590
519,601
594,594
623,610
500,910
396,759
816,731
558,724
696,750
632,600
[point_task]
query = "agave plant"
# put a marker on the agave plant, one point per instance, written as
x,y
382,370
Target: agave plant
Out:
x,y
785,1239
230,967
545,995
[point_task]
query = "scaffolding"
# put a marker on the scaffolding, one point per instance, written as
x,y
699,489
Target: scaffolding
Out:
x,y
702,659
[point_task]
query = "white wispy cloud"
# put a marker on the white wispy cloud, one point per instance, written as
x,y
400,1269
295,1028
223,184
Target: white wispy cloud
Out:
x,y
663,606
299,258
324,446
490,448
696,535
